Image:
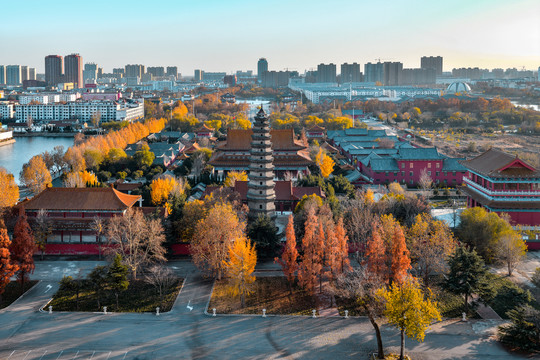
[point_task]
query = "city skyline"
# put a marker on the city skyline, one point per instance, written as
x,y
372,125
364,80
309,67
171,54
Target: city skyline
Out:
x,y
232,36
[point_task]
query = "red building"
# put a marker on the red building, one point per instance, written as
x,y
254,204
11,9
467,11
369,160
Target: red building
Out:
x,y
503,183
71,213
204,132
290,155
316,132
287,195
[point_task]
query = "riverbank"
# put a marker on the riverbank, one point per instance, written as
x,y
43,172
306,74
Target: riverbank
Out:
x,y
45,134
7,142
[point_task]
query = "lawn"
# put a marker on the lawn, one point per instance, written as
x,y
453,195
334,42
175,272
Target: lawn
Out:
x,y
139,297
13,292
270,293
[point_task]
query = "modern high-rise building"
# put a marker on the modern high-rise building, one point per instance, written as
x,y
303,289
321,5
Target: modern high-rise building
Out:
x,y
326,73
31,73
73,69
90,72
262,67
24,73
198,75
392,73
13,75
119,71
374,72
156,70
432,62
54,68
172,70
136,70
2,74
350,73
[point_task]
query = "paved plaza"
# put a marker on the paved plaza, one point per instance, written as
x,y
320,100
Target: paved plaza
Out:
x,y
187,333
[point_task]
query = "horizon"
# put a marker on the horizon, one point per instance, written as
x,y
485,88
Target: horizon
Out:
x,y
215,36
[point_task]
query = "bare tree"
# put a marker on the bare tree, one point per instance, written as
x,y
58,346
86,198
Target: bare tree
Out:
x,y
361,286
161,277
358,218
386,143
138,239
425,182
96,118
511,250
98,225
42,230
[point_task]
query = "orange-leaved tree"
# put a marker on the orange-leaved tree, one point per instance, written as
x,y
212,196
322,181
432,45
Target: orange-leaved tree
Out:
x,y
290,254
342,258
239,267
8,267
10,191
35,174
234,176
311,266
212,237
22,248
162,188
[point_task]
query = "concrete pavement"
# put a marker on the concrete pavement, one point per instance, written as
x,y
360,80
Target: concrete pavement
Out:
x,y
186,333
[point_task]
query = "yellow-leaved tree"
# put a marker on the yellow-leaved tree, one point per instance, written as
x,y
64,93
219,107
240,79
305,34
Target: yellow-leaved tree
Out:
x,y
234,176
409,309
325,163
162,188
35,174
10,191
80,179
240,267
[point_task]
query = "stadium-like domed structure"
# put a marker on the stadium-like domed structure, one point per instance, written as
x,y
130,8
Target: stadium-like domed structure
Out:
x,y
458,87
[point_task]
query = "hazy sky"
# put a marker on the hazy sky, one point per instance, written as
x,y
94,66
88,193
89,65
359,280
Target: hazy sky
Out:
x,y
230,35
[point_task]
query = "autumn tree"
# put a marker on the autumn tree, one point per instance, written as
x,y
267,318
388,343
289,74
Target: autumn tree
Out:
x,y
425,182
10,191
342,245
234,176
117,277
358,217
361,285
42,230
239,267
212,237
35,174
192,212
162,188
409,310
139,240
8,266
325,163
22,248
511,250
430,242
290,254
80,179
310,268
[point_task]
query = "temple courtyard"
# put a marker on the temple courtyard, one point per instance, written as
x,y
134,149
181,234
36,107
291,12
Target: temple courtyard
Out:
x,y
186,332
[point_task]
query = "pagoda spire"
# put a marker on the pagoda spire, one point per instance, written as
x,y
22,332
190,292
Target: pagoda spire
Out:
x,y
261,195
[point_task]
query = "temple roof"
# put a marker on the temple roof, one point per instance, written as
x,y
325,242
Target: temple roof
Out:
x,y
282,139
284,190
501,205
495,163
204,128
78,199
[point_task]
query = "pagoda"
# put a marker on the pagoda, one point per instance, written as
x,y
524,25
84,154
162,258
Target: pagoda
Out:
x,y
261,195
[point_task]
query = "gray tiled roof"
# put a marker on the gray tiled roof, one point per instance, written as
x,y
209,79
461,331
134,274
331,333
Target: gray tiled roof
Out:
x,y
451,164
384,164
419,154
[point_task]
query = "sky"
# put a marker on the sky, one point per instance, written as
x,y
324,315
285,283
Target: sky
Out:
x,y
230,35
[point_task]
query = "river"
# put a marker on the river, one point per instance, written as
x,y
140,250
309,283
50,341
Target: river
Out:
x,y
13,156
528,106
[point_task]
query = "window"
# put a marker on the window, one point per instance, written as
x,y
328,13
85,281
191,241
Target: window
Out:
x,y
260,206
429,165
386,173
437,173
403,165
412,181
437,165
403,173
453,173
445,173
410,173
260,183
411,165
395,173
260,174
260,192
429,173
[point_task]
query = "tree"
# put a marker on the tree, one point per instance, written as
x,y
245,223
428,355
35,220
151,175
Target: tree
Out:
x,y
239,267
342,258
138,239
98,226
42,230
80,179
10,191
430,242
511,250
408,310
162,188
72,285
96,118
35,174
234,176
523,332
144,157
263,232
192,212
467,274
361,285
395,188
290,254
22,248
8,266
425,182
536,278
325,163
310,268
117,277
98,281
161,277
483,231
212,237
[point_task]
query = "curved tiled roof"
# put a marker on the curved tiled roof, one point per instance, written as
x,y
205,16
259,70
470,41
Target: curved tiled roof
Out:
x,y
78,199
495,163
282,139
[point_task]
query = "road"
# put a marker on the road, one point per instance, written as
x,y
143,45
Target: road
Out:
x,y
187,333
